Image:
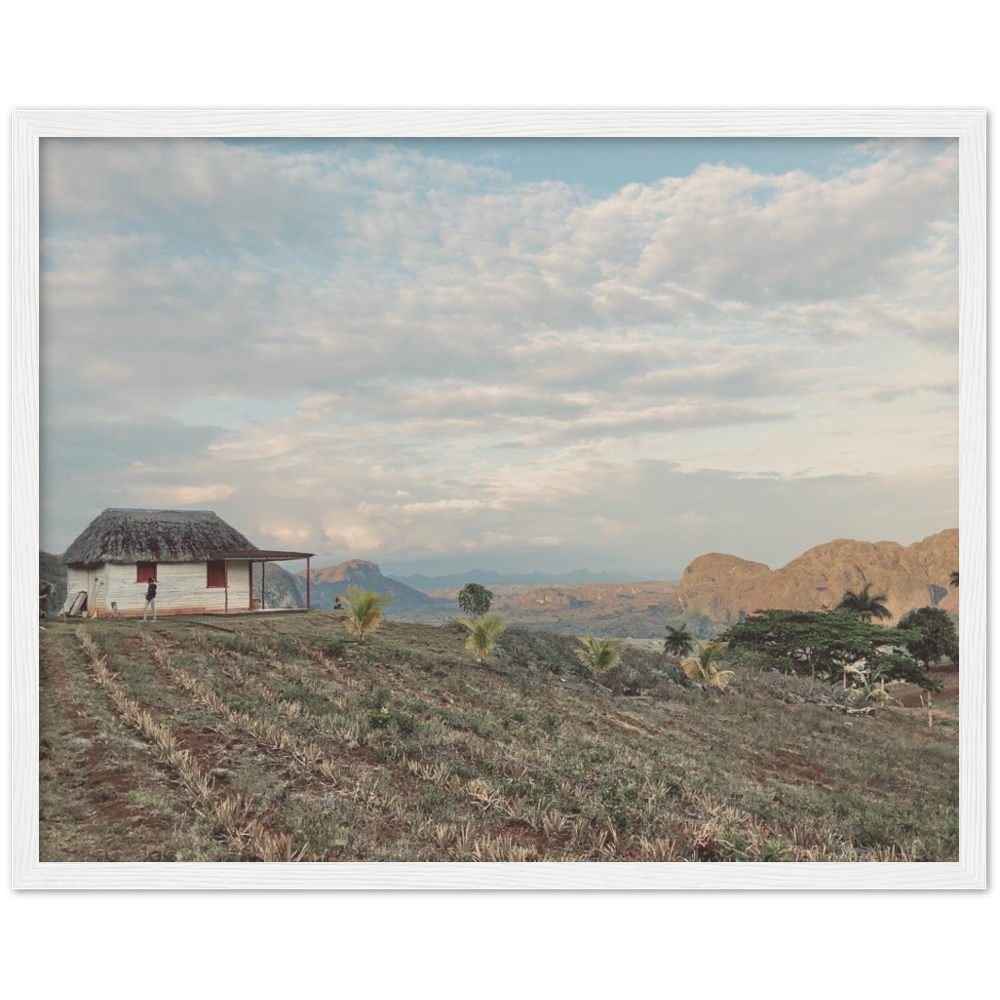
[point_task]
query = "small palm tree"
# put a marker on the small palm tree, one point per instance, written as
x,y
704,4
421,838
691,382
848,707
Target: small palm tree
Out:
x,y
954,578
865,604
703,670
855,670
600,655
678,641
483,635
365,611
872,693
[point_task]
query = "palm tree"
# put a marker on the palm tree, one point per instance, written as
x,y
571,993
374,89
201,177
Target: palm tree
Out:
x,y
365,611
600,655
483,635
702,669
678,641
954,578
865,604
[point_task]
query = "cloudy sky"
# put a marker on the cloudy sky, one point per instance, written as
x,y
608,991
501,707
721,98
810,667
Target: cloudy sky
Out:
x,y
513,354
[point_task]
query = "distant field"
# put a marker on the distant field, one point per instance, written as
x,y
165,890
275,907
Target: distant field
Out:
x,y
278,737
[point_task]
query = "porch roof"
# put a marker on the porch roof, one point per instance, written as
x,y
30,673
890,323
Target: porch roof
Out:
x,y
261,555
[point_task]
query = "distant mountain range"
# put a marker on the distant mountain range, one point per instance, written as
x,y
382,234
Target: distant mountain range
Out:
x,y
714,591
487,577
328,583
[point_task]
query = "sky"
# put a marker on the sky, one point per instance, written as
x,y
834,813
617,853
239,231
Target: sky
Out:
x,y
508,354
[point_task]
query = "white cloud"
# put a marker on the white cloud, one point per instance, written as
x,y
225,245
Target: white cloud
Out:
x,y
428,356
352,537
158,494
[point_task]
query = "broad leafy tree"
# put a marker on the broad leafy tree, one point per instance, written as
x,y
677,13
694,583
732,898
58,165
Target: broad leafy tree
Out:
x,y
475,600
865,604
900,667
816,641
934,636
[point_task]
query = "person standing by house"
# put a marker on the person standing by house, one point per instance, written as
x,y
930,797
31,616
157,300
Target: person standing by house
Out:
x,y
150,599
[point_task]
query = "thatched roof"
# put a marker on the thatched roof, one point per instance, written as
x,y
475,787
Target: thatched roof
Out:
x,y
120,535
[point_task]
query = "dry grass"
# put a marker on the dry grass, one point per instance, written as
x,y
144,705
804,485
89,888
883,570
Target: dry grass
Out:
x,y
273,738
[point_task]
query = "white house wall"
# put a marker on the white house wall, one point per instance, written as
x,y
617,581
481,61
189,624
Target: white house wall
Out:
x,y
94,582
76,580
181,588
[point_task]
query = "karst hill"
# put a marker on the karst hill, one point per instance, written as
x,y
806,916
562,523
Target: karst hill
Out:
x,y
726,587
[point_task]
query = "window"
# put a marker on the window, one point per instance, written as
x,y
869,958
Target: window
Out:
x,y
143,571
217,573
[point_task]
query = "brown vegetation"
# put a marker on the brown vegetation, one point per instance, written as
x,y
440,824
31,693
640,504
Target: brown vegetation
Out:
x,y
281,738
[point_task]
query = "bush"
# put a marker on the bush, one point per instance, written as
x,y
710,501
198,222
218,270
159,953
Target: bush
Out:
x,y
764,684
335,646
896,667
754,661
536,650
392,718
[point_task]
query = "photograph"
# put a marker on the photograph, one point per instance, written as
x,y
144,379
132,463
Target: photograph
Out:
x,y
501,498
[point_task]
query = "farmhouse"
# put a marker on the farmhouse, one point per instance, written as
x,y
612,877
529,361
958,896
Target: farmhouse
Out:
x,y
201,564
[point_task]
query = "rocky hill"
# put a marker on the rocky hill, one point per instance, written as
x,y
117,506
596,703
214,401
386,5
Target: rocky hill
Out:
x,y
330,581
280,587
724,587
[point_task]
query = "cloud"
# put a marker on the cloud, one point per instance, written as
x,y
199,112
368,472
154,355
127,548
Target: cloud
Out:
x,y
161,495
353,346
351,537
693,523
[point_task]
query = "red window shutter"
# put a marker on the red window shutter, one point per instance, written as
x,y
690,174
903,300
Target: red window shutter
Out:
x,y
217,573
143,571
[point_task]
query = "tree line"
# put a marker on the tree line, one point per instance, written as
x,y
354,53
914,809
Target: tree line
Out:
x,y
839,642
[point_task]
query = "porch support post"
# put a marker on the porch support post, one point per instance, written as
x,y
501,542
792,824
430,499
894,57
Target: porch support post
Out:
x,y
308,591
225,570
263,599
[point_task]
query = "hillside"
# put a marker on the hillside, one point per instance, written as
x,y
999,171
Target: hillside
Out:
x,y
725,587
636,610
328,583
280,738
50,568
449,584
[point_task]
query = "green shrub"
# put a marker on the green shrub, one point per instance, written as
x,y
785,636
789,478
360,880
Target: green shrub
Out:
x,y
381,697
335,646
392,718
